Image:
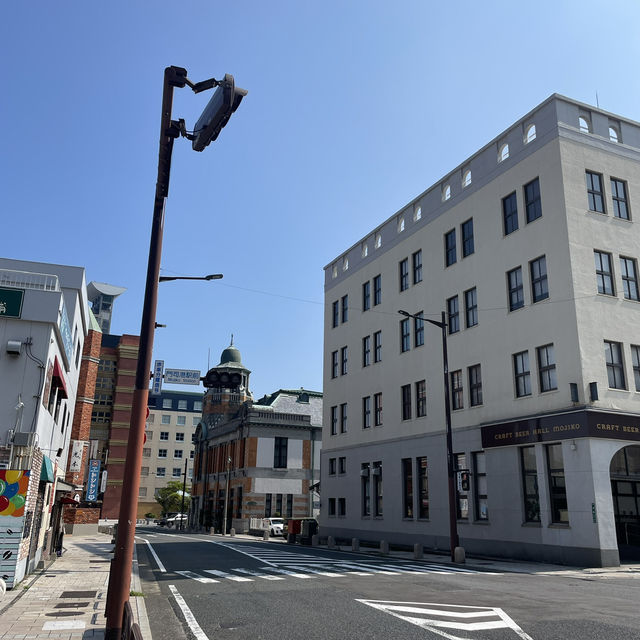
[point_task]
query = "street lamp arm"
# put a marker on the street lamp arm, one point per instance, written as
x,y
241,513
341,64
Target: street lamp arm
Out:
x,y
212,276
415,317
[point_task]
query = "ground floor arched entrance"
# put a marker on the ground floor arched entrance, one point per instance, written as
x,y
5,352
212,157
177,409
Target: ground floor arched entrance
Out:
x,y
625,488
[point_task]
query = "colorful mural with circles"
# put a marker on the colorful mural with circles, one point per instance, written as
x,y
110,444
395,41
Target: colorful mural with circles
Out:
x,y
13,496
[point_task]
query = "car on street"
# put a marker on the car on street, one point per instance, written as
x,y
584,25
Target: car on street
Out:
x,y
275,526
174,521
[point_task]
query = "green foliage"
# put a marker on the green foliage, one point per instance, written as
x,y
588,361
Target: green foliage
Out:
x,y
137,594
170,497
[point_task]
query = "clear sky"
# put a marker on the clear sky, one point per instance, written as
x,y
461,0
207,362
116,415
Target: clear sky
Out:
x,y
354,108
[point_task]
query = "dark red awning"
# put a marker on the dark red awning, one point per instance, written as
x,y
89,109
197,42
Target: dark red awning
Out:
x,y
58,379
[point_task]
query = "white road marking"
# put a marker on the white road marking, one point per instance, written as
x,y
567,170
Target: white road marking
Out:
x,y
228,576
235,548
155,555
196,576
460,617
257,574
188,616
331,574
63,625
369,568
293,574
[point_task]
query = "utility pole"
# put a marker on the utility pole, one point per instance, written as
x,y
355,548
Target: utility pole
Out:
x,y
184,489
226,494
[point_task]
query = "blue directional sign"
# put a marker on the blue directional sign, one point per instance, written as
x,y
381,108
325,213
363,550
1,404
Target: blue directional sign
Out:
x,y
158,368
93,481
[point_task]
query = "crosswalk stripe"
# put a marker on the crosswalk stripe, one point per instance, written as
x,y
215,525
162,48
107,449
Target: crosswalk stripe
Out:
x,y
293,574
257,574
228,576
195,576
316,571
371,569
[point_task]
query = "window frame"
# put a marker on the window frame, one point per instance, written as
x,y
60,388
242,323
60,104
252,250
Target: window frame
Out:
x,y
510,213
377,409
418,330
522,373
377,290
635,363
450,253
366,351
405,335
366,412
557,486
335,368
532,200
629,274
457,390
471,308
547,373
620,202
416,263
334,420
539,279
480,484
614,360
421,398
366,295
407,489
343,417
474,375
595,192
530,489
344,357
405,402
403,274
377,346
466,234
515,290
335,311
280,452
344,309
453,318
604,277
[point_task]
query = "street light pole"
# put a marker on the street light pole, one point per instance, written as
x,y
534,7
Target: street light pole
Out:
x,y
120,571
226,498
454,541
184,489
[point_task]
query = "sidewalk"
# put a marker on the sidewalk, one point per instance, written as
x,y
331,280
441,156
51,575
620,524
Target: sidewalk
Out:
x,y
67,600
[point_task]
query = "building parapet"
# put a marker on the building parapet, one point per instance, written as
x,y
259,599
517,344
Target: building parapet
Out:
x,y
28,280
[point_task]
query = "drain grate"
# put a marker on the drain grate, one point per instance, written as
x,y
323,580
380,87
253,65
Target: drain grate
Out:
x,y
78,594
63,614
71,605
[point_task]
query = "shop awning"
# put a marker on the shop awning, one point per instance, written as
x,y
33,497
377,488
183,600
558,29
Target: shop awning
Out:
x,y
58,379
46,473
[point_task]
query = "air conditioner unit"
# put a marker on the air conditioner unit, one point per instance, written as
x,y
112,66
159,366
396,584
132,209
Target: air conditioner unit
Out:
x,y
23,439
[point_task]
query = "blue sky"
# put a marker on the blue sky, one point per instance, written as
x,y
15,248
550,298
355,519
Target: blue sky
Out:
x,y
354,108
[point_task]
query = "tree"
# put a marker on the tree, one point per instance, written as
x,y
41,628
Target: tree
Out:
x,y
170,497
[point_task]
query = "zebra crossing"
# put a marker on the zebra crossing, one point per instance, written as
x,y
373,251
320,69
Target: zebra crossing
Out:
x,y
282,565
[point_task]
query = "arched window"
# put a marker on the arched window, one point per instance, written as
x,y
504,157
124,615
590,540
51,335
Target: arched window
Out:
x,y
614,136
584,124
365,249
400,224
345,263
530,133
334,271
466,178
446,192
378,242
503,153
417,213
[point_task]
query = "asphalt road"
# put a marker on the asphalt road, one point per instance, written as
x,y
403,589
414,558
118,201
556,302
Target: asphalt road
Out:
x,y
208,587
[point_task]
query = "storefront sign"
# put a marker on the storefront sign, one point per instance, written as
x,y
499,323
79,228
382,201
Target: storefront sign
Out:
x,y
568,426
11,302
75,463
93,480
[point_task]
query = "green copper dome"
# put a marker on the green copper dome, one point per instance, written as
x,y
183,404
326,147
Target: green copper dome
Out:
x,y
230,354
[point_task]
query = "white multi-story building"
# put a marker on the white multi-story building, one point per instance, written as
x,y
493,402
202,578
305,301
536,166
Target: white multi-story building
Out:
x,y
530,247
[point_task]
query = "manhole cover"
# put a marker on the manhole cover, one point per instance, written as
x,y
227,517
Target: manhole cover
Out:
x,y
78,594
60,614
99,560
71,605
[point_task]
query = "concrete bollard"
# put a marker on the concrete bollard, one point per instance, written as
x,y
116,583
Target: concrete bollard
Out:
x,y
355,544
331,543
232,532
265,535
211,530
315,540
418,551
384,547
459,556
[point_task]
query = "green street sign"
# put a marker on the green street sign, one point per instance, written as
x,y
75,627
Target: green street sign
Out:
x,y
11,302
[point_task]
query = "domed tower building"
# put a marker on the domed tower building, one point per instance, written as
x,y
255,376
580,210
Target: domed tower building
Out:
x,y
253,459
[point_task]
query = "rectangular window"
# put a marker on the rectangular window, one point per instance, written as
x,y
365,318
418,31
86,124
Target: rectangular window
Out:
x,y
462,502
457,400
406,401
453,314
149,434
450,248
475,385
343,418
615,366
418,330
334,420
164,435
547,368
532,202
180,436
144,471
471,307
197,405
407,488
516,289
423,488
167,403
635,360
365,489
289,513
195,421
377,346
334,364
335,314
166,419
267,505
342,464
344,314
366,412
557,486
342,507
466,230
366,351
177,472
343,361
377,290
332,466
403,268
278,503
530,484
182,405
280,447
332,506
177,453
417,266
604,273
377,488
366,296
619,196
539,283
162,453
595,192
161,472
146,452
629,272
421,398
480,486
522,374
377,409
181,421
405,335
510,213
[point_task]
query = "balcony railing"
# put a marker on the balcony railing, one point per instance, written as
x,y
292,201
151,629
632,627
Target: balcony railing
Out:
x,y
29,280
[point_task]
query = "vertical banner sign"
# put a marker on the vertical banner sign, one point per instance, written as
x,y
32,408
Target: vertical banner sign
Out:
x,y
103,482
75,462
93,480
13,494
158,368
